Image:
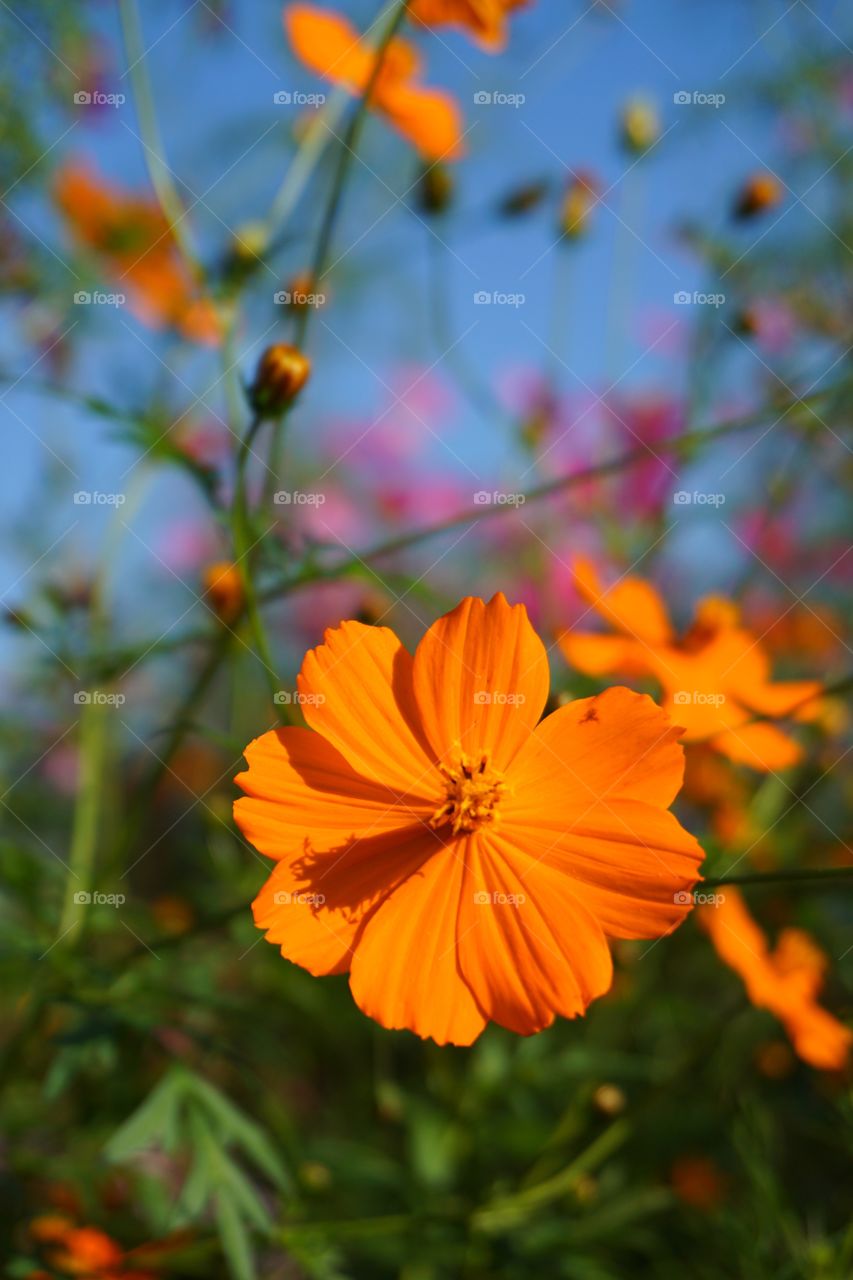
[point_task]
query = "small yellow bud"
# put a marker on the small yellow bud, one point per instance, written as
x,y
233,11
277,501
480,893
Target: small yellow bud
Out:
x,y
609,1099
223,588
281,374
249,241
762,191
640,125
578,203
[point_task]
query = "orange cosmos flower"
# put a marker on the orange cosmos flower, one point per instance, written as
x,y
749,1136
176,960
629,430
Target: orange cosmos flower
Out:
x,y
330,45
460,859
715,678
134,241
85,1252
785,981
484,20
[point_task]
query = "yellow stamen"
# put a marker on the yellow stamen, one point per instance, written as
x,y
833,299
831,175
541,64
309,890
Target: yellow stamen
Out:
x,y
473,790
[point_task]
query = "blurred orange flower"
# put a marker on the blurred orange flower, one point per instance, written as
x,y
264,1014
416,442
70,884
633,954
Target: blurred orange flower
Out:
x,y
330,45
133,240
715,678
85,1252
785,981
698,1182
484,20
462,860
223,587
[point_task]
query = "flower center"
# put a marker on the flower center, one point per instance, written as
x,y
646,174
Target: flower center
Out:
x,y
473,790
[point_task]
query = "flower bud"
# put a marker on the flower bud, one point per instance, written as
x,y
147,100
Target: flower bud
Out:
x,y
640,125
522,199
609,1099
762,191
281,374
223,588
435,189
578,203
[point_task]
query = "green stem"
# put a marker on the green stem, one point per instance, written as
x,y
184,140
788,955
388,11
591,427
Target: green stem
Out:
x,y
830,875
84,835
161,177
243,553
346,155
508,1210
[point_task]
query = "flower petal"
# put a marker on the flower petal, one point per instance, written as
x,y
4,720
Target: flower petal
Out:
x,y
631,605
356,691
301,795
429,118
596,655
760,745
329,44
785,697
481,680
632,865
619,743
314,906
405,971
528,948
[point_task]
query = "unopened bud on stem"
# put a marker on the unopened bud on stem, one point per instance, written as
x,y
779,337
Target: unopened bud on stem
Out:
x,y
281,374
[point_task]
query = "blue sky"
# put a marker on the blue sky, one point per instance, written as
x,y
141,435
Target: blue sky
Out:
x,y
575,65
